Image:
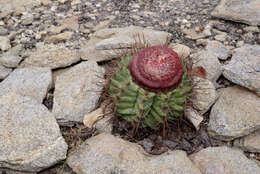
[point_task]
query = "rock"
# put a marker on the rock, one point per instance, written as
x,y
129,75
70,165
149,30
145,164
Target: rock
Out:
x,y
105,125
18,6
3,31
182,50
252,29
244,67
221,37
27,18
4,72
91,118
195,33
220,50
249,143
10,61
52,56
235,114
104,24
30,136
204,94
110,43
126,37
70,23
193,116
247,12
33,82
4,43
121,156
209,62
7,171
59,37
77,92
226,160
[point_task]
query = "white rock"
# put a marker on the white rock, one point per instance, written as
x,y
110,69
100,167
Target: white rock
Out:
x,y
120,156
52,56
204,94
247,12
106,43
33,82
244,67
249,143
220,50
4,72
224,160
209,62
30,137
235,114
10,61
4,43
77,92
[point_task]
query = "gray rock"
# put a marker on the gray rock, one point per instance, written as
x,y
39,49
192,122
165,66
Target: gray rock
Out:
x,y
4,72
253,29
249,143
120,156
10,61
3,31
235,114
27,18
204,94
59,37
33,82
4,43
245,11
209,62
7,171
220,50
112,42
53,56
77,92
30,137
244,67
7,7
105,124
224,160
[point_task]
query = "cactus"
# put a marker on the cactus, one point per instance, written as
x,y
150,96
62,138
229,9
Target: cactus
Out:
x,y
150,87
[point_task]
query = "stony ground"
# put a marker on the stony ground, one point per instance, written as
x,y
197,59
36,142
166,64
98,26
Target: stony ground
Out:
x,y
54,54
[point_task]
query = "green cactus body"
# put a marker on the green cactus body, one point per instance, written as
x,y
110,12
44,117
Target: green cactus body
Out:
x,y
144,107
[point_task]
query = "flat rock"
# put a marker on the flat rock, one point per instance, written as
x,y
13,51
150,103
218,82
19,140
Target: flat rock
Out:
x,y
7,171
244,67
77,92
249,143
7,7
209,62
235,114
224,160
218,49
53,56
106,43
247,12
10,61
182,50
30,137
4,43
4,72
59,37
120,156
33,82
204,94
